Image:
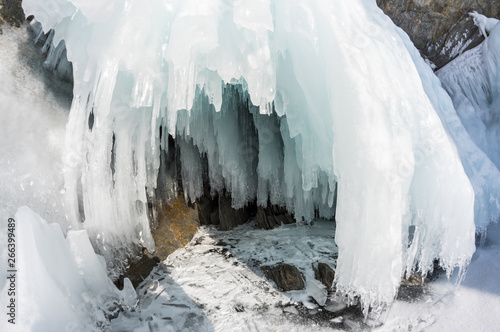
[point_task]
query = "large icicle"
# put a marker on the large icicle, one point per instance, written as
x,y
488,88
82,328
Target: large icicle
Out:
x,y
287,102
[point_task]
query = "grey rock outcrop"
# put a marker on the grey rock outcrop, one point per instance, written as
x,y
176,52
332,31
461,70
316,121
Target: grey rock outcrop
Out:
x,y
324,273
11,13
272,216
286,277
440,29
176,225
230,217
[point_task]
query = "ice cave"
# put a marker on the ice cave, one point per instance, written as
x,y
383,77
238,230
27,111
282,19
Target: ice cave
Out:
x,y
323,110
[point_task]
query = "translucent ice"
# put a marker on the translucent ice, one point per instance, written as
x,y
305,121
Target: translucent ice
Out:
x,y
61,283
313,105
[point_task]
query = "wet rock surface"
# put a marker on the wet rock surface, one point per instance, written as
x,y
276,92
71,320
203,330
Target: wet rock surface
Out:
x,y
440,29
230,217
324,273
272,216
286,277
177,224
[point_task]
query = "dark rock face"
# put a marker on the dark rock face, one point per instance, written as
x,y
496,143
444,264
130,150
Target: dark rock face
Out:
x,y
206,207
325,274
177,224
440,29
272,217
229,217
286,277
11,13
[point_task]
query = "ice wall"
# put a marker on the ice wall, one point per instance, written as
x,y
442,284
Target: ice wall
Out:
x,y
473,82
291,102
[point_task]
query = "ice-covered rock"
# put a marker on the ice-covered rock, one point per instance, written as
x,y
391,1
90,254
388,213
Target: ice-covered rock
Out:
x,y
440,29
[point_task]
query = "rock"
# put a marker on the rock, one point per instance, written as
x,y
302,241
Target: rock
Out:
x,y
206,207
325,274
272,216
177,224
138,271
440,29
414,279
230,217
214,217
412,287
286,277
11,13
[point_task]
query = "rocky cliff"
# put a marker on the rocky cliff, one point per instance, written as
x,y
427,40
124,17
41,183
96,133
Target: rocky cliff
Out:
x,y
440,29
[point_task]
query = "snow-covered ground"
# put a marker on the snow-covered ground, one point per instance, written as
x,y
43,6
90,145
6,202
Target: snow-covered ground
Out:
x,y
474,305
216,280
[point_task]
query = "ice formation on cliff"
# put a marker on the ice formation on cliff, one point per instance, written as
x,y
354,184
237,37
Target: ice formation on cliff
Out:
x,y
305,104
473,82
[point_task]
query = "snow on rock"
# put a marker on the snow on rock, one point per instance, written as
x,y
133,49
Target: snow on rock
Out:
x,y
485,24
325,105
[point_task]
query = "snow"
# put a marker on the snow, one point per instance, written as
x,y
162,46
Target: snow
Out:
x,y
474,305
216,282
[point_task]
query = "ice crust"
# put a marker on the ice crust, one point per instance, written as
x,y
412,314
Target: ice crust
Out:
x,y
315,105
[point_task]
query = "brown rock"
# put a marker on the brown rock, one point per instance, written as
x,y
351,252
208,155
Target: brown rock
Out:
x,y
176,227
177,224
272,216
440,29
230,217
11,13
214,217
286,277
325,274
412,287
205,208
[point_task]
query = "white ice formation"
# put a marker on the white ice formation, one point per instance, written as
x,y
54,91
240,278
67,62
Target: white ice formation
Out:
x,y
473,82
60,284
323,107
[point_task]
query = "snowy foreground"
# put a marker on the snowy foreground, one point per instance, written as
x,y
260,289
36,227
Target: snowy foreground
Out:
x,y
214,284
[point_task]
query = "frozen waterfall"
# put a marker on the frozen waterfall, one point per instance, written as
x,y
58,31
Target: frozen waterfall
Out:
x,y
322,107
